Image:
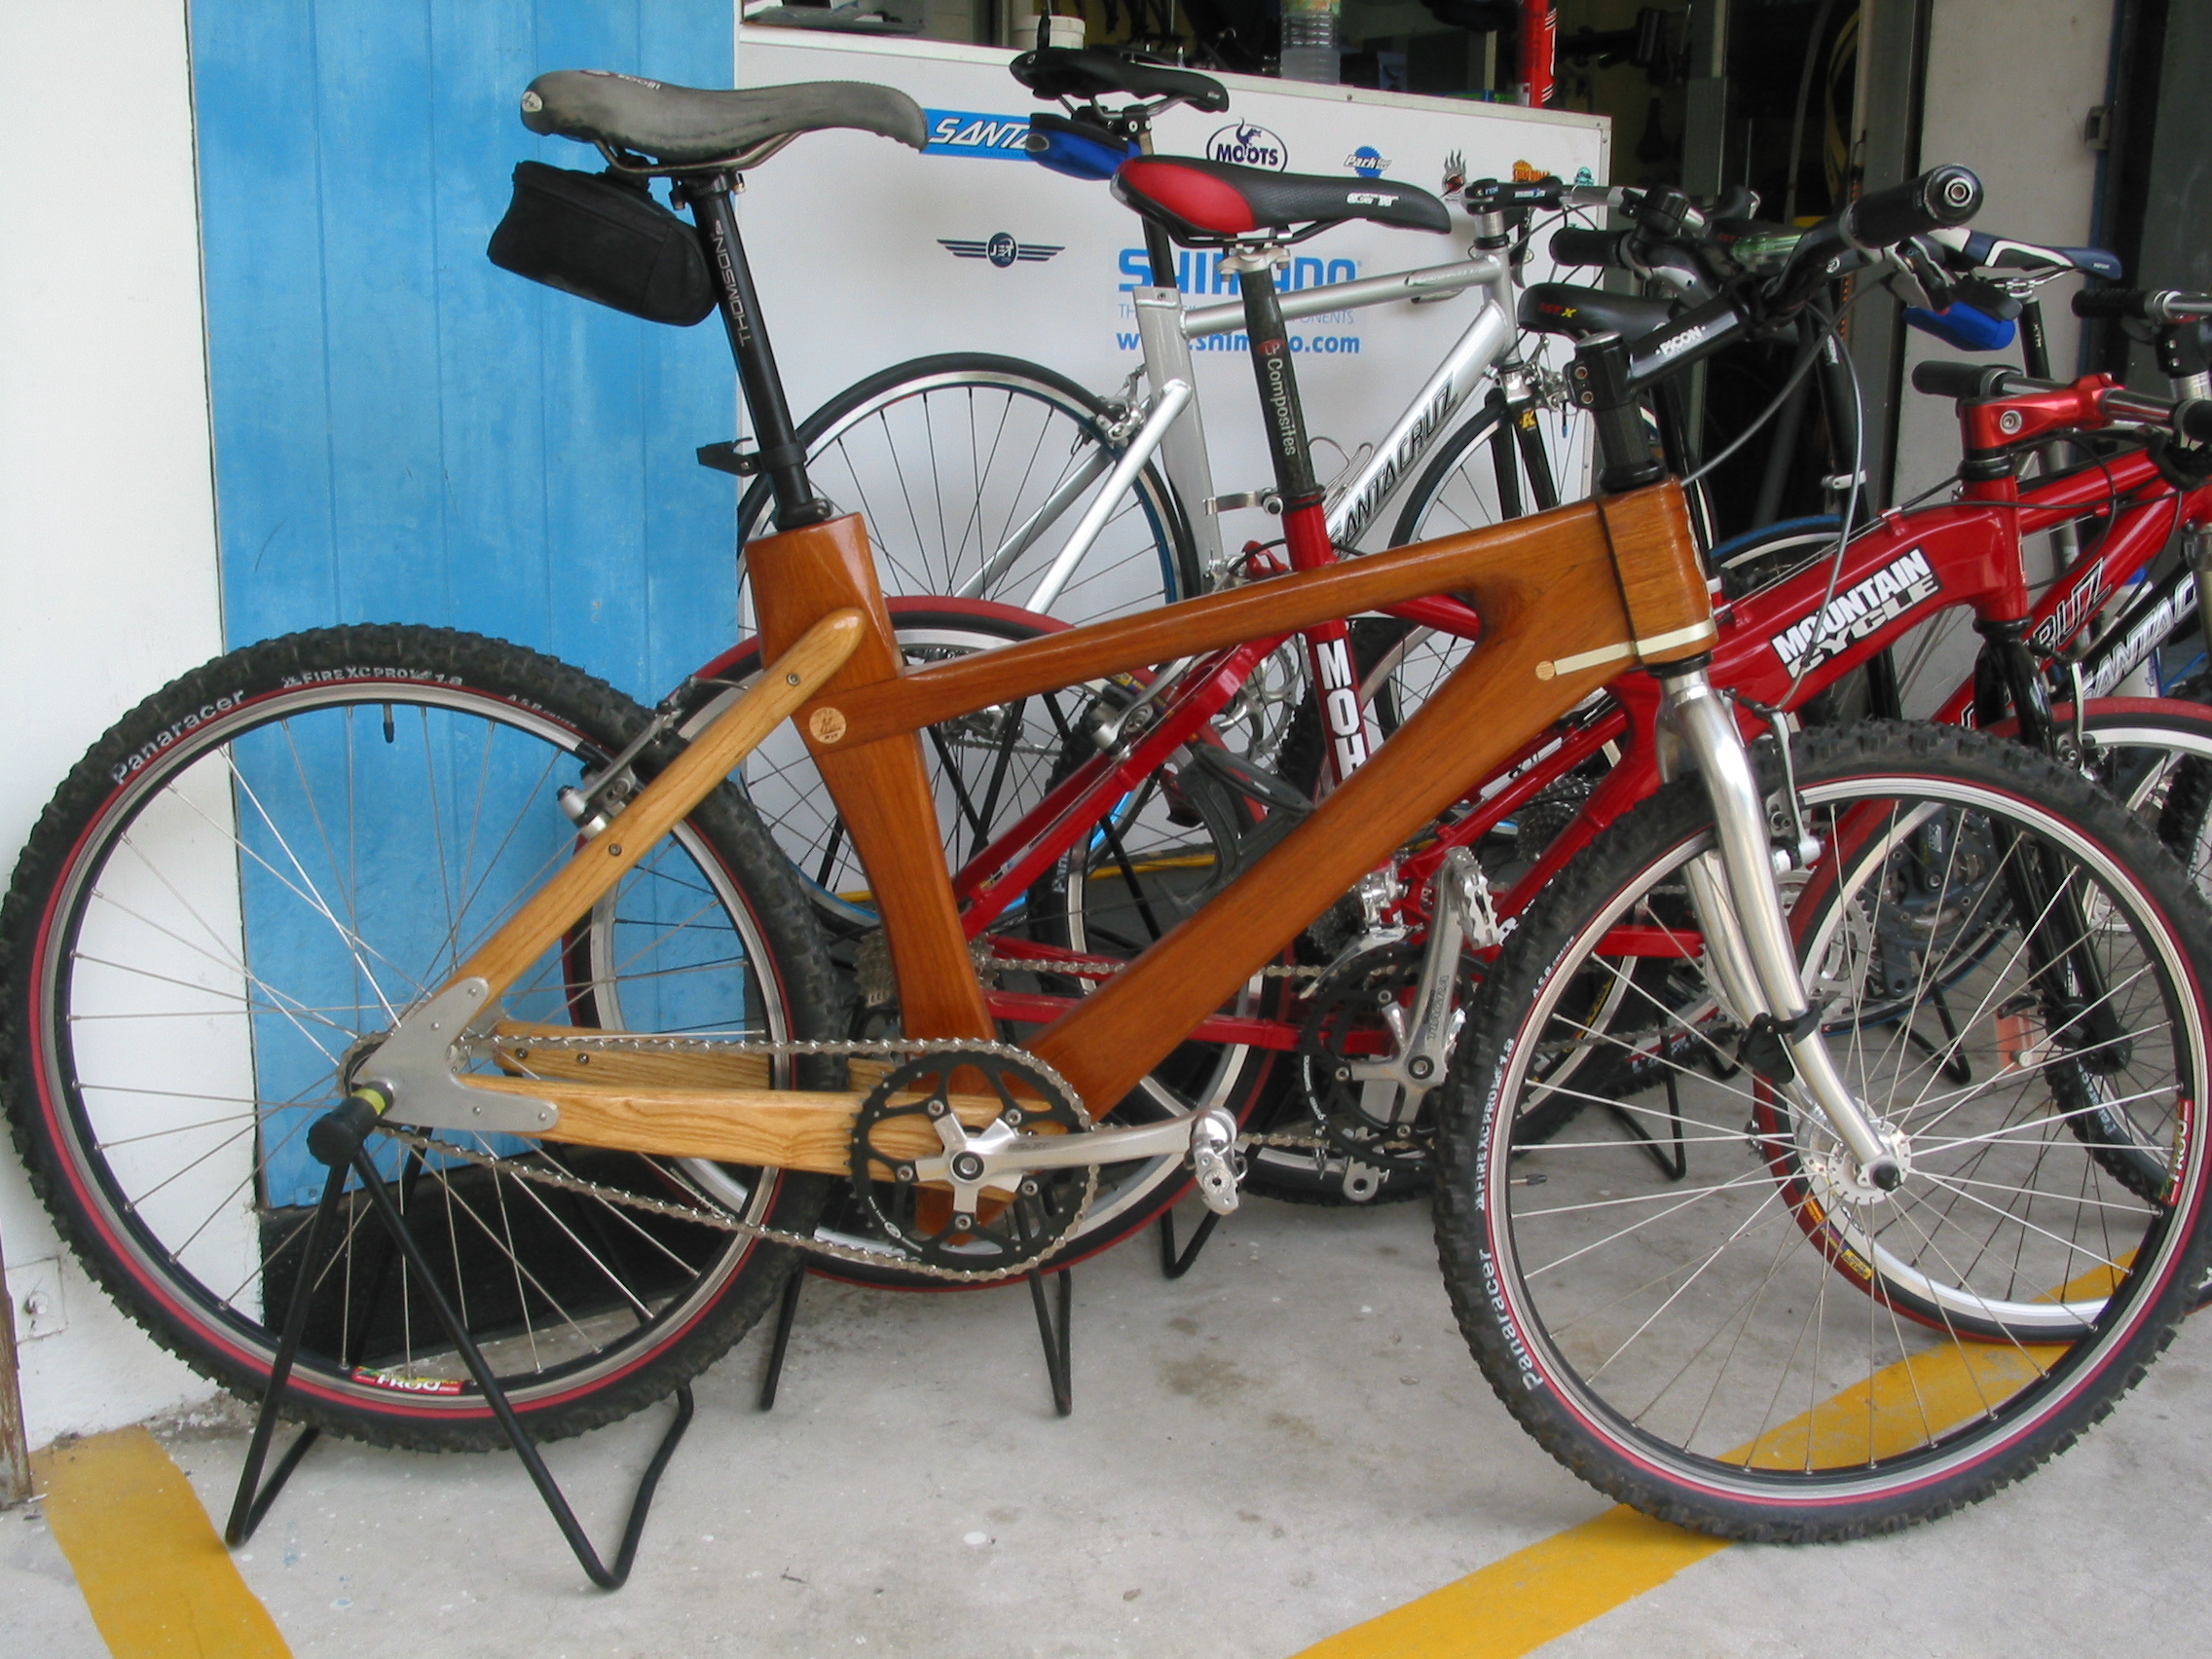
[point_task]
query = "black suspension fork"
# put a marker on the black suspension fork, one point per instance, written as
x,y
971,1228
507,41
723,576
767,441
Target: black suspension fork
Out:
x,y
2077,1004
1504,454
779,454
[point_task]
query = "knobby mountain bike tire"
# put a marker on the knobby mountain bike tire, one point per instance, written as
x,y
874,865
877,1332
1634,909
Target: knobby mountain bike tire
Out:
x,y
950,459
1765,1347
251,877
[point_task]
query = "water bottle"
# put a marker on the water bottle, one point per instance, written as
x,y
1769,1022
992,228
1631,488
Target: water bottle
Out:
x,y
1309,41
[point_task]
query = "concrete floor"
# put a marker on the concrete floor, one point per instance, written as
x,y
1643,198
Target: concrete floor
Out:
x,y
1282,1445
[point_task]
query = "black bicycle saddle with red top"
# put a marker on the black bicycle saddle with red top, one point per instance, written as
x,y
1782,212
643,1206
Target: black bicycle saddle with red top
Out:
x,y
1200,202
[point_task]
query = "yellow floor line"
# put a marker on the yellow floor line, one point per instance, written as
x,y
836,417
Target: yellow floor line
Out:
x,y
1515,1606
157,1578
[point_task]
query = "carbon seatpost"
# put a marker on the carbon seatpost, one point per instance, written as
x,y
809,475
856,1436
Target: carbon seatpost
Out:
x,y
1278,383
1599,383
778,453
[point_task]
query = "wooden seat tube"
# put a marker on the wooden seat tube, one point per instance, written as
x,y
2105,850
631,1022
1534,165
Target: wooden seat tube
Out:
x,y
881,789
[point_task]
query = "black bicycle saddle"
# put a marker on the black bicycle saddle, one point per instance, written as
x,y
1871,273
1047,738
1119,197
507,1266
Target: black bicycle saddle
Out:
x,y
1564,308
1084,72
677,126
1202,201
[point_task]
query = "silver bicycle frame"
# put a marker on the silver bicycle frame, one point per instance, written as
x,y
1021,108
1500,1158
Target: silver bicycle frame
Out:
x,y
1172,426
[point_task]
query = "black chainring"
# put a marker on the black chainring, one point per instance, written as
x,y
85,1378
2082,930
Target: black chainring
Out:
x,y
1011,1230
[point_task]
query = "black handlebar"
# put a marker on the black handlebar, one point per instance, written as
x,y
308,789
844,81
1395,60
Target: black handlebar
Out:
x,y
1577,245
1939,198
2193,420
2164,306
1966,382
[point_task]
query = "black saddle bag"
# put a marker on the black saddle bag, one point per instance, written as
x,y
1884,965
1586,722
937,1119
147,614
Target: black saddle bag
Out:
x,y
603,237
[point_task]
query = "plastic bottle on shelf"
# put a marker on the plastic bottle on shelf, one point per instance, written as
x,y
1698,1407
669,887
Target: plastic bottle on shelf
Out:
x,y
1309,41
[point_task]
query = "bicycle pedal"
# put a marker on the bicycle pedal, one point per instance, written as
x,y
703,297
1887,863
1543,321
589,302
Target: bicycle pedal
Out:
x,y
1215,1162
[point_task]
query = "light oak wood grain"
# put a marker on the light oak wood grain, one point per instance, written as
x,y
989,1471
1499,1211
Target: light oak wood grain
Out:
x,y
661,804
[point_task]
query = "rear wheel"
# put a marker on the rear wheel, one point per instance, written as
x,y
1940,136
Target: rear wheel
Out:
x,y
973,471
1767,1348
248,882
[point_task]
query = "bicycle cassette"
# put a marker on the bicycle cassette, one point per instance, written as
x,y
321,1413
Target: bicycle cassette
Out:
x,y
1358,1013
989,1183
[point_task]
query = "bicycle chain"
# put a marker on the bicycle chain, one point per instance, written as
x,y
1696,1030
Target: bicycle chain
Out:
x,y
908,1048
1104,968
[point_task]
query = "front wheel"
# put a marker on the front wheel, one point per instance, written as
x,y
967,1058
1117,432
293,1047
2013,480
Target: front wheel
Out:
x,y
1764,1345
252,879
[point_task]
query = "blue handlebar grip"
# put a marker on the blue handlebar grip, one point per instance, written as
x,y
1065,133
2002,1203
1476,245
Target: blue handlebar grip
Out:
x,y
1960,325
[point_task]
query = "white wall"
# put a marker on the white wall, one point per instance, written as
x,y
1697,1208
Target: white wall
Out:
x,y
107,532
2010,82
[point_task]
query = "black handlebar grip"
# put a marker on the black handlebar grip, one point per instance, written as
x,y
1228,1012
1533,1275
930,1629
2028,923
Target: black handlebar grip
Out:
x,y
2109,302
1578,245
2193,420
1970,382
1939,196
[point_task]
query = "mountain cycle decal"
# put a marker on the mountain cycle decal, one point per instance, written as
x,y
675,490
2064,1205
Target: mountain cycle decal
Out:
x,y
1862,610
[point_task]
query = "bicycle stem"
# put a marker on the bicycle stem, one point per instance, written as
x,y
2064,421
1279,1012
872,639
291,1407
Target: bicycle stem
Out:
x,y
1746,932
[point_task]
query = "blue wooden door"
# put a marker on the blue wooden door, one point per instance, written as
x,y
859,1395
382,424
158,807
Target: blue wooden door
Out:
x,y
405,433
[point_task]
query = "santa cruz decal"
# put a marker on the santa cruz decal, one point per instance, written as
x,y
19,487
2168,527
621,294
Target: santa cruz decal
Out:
x,y
977,132
2076,609
1872,605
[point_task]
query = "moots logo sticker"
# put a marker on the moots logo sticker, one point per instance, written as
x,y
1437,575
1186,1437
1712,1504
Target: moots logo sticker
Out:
x,y
1367,161
1249,146
1000,249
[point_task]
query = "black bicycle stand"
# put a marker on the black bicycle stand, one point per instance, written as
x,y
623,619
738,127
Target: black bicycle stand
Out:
x,y
338,1140
1054,1334
1171,1265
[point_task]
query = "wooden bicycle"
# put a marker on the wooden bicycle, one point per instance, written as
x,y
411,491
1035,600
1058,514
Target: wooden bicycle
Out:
x,y
571,1070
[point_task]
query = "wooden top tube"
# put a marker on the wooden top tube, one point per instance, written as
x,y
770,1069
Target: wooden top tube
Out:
x,y
1662,590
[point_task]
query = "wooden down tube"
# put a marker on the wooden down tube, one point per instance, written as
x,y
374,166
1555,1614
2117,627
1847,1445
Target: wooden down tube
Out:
x,y
1568,600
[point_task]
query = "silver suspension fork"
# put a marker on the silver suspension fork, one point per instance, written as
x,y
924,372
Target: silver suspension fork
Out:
x,y
2196,554
1747,932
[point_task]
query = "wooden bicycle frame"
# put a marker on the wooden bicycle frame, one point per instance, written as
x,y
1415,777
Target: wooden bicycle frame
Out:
x,y
1566,600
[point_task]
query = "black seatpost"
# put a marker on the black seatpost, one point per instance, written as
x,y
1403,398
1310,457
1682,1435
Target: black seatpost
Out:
x,y
1279,387
778,455
1162,254
1599,383
1137,124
